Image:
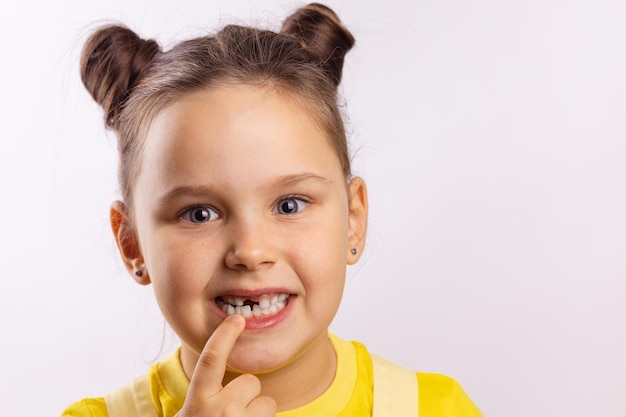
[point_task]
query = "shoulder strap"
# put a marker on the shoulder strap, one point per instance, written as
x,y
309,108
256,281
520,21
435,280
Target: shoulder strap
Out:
x,y
395,390
395,394
131,400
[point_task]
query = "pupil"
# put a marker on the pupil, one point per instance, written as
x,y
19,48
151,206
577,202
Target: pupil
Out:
x,y
200,215
288,206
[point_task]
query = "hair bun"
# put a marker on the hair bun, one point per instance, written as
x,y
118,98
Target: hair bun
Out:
x,y
112,62
322,35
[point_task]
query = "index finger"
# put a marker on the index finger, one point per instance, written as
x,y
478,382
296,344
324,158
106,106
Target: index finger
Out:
x,y
209,371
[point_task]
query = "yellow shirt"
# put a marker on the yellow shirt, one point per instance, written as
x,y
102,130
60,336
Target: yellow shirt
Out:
x,y
349,395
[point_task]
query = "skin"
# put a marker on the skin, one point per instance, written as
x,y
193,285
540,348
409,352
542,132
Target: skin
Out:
x,y
239,155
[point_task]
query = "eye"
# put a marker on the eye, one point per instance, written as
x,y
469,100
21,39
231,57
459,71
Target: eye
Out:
x,y
290,205
201,214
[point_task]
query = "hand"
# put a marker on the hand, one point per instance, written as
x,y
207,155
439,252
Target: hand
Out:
x,y
240,397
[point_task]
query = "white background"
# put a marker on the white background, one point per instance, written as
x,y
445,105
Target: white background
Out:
x,y
492,135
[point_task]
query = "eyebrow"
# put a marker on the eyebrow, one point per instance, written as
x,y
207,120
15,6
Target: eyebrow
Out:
x,y
200,190
300,178
178,192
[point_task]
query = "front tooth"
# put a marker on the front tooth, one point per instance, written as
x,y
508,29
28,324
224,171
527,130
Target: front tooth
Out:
x,y
256,310
231,310
239,301
246,311
238,310
264,303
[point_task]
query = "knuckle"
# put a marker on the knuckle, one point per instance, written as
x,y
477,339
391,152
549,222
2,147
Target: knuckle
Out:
x,y
230,410
268,402
262,406
249,377
251,380
209,358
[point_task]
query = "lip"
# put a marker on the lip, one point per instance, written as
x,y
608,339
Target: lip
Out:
x,y
261,322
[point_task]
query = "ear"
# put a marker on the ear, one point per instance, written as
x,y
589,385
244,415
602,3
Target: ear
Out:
x,y
127,242
357,217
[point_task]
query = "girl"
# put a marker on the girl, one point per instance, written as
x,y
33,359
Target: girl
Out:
x,y
239,207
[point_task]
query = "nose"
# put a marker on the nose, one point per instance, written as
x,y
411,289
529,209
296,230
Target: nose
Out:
x,y
252,247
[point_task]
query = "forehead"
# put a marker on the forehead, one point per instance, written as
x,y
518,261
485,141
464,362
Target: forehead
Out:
x,y
231,132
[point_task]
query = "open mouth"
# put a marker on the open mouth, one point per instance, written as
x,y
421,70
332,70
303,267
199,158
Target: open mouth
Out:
x,y
264,305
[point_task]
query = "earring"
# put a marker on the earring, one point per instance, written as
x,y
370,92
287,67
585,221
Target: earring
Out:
x,y
138,273
354,251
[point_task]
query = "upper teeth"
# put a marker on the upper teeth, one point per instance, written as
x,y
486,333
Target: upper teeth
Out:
x,y
265,305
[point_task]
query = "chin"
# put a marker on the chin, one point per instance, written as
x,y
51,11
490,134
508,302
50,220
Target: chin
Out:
x,y
246,360
255,366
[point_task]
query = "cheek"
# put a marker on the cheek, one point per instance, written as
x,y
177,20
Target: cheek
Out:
x,y
175,269
323,253
323,276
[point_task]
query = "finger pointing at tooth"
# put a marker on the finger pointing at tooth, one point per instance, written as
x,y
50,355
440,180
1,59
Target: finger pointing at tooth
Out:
x,y
207,397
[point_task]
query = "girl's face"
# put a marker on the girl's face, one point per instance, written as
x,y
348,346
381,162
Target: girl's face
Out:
x,y
241,206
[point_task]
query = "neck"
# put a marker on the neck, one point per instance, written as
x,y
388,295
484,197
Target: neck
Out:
x,y
302,380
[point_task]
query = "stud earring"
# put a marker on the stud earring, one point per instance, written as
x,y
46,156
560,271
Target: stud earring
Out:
x,y
354,251
138,273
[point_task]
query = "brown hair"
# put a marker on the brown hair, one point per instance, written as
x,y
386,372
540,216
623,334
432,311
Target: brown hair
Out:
x,y
132,79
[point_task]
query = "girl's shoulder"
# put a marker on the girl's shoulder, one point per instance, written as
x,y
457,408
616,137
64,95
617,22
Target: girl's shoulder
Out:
x,y
443,394
163,387
438,395
87,407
